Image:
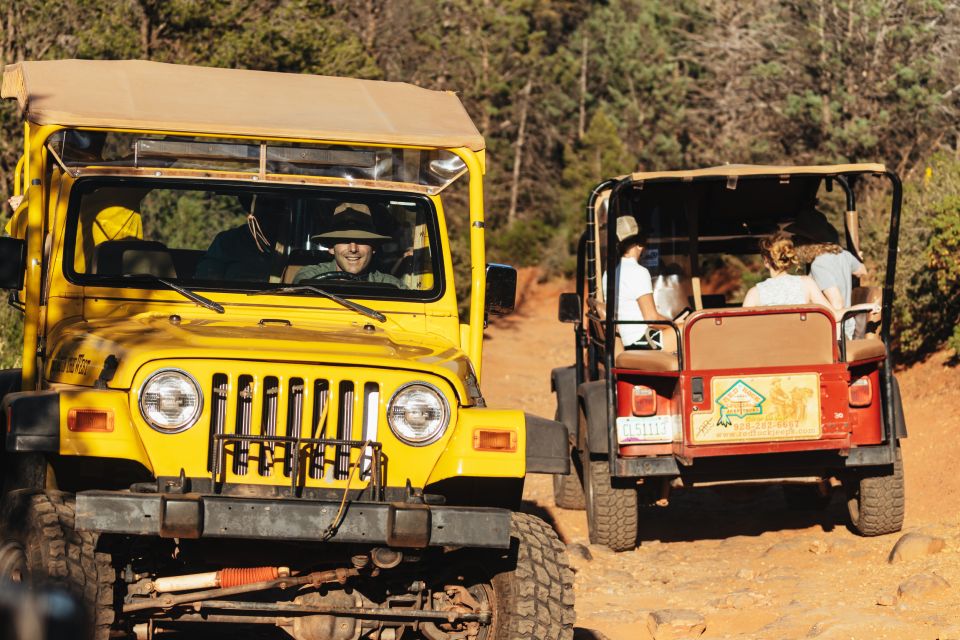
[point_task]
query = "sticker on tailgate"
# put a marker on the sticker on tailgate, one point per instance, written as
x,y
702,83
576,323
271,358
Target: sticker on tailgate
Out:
x,y
760,408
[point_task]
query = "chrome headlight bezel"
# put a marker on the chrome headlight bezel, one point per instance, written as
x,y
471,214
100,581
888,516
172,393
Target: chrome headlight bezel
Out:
x,y
194,417
444,407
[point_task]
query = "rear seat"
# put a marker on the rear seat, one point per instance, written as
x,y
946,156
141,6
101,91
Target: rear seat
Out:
x,y
865,349
651,360
723,339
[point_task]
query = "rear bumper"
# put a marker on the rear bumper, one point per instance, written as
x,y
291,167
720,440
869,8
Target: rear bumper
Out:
x,y
203,516
754,466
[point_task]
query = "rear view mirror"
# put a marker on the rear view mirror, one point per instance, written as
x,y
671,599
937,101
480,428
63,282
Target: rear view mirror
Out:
x,y
570,308
501,289
13,263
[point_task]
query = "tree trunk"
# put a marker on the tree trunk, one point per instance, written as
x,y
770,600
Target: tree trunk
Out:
x,y
582,125
518,151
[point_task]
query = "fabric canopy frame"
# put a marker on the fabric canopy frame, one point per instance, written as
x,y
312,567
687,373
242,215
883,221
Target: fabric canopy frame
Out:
x,y
146,95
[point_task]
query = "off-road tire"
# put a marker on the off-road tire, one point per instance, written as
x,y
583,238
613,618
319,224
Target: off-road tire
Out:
x,y
612,512
534,597
568,490
56,554
876,501
805,497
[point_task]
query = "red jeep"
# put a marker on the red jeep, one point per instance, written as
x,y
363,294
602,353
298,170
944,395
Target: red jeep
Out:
x,y
728,394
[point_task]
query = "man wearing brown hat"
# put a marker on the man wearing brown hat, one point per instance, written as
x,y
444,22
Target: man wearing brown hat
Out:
x,y
352,240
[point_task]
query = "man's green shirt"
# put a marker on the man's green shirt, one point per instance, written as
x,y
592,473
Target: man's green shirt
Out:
x,y
315,270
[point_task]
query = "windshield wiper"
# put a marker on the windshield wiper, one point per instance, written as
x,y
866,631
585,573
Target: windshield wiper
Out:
x,y
207,303
349,304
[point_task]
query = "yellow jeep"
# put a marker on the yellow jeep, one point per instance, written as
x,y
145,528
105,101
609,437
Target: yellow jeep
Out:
x,y
247,396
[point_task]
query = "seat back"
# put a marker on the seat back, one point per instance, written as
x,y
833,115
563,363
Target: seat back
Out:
x,y
760,337
119,257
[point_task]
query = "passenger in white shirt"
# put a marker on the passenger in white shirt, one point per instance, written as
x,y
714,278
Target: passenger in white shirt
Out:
x,y
634,287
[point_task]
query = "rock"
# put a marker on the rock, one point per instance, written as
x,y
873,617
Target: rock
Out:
x,y
788,547
675,624
819,547
579,550
886,600
745,574
737,600
911,546
842,546
922,586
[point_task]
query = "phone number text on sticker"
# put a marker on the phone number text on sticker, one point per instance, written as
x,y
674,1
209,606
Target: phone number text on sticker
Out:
x,y
633,430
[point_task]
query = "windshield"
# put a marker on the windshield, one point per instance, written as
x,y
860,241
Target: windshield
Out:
x,y
220,237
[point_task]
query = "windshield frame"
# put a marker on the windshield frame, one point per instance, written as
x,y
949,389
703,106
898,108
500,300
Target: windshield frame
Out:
x,y
347,289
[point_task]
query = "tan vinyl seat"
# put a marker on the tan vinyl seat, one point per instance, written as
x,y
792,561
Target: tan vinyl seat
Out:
x,y
638,359
791,336
647,360
865,349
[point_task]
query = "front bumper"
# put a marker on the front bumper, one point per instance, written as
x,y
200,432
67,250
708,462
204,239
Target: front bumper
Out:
x,y
207,516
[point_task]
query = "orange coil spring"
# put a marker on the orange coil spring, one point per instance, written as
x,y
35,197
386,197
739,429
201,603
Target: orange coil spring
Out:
x,y
236,577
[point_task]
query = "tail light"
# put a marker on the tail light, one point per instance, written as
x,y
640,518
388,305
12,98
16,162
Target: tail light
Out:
x,y
861,392
644,401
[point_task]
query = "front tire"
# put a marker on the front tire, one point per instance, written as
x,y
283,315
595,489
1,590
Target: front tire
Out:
x,y
42,546
876,501
534,597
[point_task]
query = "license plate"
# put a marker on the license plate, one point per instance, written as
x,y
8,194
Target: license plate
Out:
x,y
633,430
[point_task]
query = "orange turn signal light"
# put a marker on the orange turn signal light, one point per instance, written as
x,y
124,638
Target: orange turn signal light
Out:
x,y
96,420
494,440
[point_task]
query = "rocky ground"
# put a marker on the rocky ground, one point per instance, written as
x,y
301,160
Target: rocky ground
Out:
x,y
739,564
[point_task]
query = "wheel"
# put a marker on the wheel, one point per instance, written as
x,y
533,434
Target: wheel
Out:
x,y
612,512
42,546
527,590
568,492
533,598
805,497
876,501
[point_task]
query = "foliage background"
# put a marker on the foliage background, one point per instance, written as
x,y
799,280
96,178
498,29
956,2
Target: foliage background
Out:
x,y
568,92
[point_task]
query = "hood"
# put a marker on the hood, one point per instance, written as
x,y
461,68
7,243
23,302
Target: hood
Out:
x,y
109,351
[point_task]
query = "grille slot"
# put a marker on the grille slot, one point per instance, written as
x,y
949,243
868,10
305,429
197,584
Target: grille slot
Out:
x,y
321,406
271,398
244,426
344,430
294,419
218,420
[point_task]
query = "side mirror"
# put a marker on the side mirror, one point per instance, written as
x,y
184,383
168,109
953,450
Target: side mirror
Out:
x,y
13,263
501,289
570,308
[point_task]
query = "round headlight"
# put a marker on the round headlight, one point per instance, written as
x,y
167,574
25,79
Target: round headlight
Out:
x,y
170,401
418,413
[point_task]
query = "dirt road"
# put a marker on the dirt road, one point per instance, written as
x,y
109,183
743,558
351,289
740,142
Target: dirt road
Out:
x,y
739,565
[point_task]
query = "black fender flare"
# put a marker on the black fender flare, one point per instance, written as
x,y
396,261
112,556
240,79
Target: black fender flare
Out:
x,y
563,383
548,450
593,403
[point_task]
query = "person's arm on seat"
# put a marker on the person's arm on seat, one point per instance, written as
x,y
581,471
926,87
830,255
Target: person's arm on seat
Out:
x,y
649,308
833,296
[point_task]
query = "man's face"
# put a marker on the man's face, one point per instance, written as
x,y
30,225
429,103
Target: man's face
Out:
x,y
352,257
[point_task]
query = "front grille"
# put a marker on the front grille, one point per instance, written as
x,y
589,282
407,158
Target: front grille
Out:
x,y
294,427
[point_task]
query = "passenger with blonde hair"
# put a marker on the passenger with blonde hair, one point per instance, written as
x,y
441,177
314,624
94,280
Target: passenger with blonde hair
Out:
x,y
782,287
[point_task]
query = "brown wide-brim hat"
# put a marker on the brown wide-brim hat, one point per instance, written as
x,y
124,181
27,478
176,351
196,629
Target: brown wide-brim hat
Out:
x,y
812,225
352,224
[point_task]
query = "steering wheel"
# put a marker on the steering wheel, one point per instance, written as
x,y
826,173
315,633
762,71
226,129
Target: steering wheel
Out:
x,y
682,313
336,275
